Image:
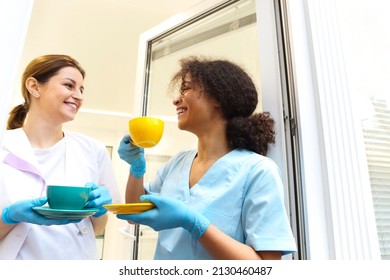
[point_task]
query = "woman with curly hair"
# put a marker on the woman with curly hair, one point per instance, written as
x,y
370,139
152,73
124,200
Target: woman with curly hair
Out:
x,y
223,200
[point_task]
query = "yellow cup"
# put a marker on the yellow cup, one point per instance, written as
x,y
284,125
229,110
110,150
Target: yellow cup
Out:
x,y
146,132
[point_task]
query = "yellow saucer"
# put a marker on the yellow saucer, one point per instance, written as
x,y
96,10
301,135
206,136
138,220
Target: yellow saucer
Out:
x,y
129,208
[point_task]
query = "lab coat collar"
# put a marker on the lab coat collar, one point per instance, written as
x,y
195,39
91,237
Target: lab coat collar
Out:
x,y
20,153
17,143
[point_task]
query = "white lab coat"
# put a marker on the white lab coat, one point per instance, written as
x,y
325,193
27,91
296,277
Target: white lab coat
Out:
x,y
86,160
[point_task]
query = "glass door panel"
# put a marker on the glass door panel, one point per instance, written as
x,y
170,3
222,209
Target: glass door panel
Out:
x,y
228,30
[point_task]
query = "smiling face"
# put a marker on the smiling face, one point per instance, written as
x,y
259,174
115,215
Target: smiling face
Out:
x,y
60,98
195,109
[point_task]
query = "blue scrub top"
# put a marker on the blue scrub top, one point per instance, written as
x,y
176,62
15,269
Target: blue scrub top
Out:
x,y
241,194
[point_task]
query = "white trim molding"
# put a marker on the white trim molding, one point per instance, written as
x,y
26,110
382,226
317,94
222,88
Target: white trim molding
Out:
x,y
329,124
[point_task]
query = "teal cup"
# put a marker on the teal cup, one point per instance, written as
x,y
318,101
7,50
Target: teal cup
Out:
x,y
67,197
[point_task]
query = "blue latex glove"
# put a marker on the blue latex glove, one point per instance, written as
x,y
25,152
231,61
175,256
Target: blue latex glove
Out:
x,y
169,213
97,198
133,155
21,211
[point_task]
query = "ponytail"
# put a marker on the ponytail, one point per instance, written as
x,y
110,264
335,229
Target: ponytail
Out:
x,y
17,117
254,133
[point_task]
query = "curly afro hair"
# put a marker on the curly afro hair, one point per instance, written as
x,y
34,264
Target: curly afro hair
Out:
x,y
234,89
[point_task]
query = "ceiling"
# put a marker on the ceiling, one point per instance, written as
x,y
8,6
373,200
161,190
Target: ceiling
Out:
x,y
103,36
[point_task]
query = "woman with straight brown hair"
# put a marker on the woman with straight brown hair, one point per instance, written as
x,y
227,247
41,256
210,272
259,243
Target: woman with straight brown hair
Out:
x,y
37,152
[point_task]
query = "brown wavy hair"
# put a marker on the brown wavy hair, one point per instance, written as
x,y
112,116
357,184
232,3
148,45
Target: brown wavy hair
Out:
x,y
233,88
42,69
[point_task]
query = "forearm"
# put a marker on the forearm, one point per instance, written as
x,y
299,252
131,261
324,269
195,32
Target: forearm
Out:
x,y
223,247
99,224
4,228
134,189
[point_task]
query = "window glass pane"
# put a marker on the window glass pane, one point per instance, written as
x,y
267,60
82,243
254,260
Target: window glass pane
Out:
x,y
228,33
366,41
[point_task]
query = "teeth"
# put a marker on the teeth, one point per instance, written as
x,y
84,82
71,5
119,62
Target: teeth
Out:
x,y
72,105
180,111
